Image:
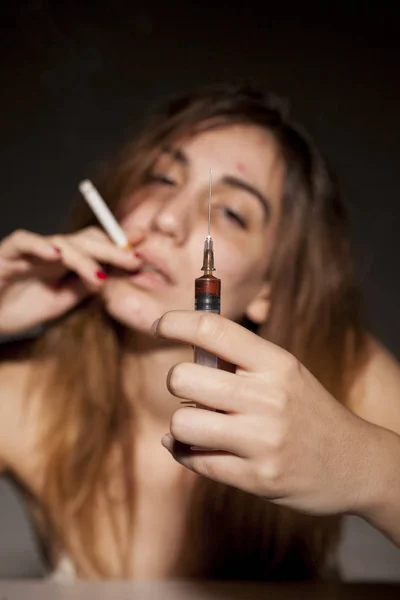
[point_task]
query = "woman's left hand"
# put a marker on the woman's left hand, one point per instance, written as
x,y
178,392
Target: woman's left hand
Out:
x,y
281,435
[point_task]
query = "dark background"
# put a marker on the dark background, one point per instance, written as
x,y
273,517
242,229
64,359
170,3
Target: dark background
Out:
x,y
77,78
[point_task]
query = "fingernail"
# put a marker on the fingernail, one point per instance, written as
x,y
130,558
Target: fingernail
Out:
x,y
56,249
167,441
101,275
154,327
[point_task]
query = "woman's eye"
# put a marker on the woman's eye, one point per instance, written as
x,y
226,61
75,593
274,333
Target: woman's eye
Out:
x,y
233,216
159,178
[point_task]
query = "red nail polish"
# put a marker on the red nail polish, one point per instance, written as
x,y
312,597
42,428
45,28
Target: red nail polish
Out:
x,y
57,250
101,275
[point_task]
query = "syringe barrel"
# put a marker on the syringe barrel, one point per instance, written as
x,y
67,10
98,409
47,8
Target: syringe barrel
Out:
x,y
202,357
207,298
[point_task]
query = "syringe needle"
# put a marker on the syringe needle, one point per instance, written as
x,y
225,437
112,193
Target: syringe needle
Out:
x,y
209,205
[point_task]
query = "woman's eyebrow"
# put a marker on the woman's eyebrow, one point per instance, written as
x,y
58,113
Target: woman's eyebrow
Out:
x,y
179,156
247,187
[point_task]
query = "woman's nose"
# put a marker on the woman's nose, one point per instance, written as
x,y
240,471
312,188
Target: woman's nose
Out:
x,y
174,217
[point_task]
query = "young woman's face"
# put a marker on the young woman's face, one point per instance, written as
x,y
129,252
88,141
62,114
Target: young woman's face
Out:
x,y
172,209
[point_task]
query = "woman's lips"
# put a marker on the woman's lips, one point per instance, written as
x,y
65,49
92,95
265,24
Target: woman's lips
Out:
x,y
149,278
153,273
155,265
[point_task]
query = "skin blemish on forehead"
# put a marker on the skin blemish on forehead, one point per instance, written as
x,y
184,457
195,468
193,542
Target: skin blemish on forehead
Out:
x,y
240,167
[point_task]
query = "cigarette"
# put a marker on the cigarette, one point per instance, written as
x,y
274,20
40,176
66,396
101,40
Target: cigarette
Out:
x,y
103,213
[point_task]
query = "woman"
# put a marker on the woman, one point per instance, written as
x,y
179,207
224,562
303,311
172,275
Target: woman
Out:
x,y
83,408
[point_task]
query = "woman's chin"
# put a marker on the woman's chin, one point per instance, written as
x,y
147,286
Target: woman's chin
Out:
x,y
132,311
138,309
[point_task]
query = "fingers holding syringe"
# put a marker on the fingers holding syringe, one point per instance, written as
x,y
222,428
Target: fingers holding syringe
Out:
x,y
211,431
222,466
216,389
224,338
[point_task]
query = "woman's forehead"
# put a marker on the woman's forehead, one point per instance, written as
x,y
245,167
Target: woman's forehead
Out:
x,y
246,150
242,146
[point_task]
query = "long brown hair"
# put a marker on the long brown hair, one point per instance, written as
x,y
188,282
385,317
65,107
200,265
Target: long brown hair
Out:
x,y
315,314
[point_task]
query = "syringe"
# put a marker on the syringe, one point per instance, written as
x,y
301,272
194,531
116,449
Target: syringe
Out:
x,y
207,292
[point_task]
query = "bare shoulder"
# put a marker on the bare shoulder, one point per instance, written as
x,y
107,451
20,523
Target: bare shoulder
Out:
x,y
375,395
16,422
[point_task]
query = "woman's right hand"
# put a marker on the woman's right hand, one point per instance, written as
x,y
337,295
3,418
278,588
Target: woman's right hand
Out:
x,y
41,278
